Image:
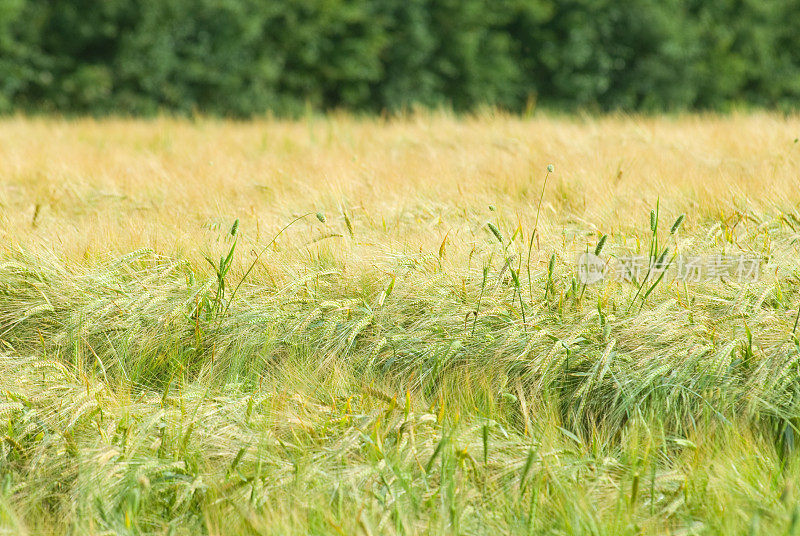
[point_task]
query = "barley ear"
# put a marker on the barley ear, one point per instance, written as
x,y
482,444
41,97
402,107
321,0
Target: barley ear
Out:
x,y
677,224
600,245
495,232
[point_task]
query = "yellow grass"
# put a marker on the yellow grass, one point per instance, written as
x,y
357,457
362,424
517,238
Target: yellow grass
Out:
x,y
116,185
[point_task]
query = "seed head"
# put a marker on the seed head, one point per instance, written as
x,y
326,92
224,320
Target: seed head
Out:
x,y
495,232
492,208
662,257
235,227
600,244
677,224
321,217
550,168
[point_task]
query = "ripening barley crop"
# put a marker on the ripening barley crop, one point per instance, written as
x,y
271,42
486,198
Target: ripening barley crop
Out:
x,y
352,326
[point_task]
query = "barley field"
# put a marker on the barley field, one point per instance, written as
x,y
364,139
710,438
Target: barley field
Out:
x,y
377,326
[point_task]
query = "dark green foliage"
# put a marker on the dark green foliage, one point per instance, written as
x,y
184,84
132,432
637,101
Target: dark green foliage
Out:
x,y
247,57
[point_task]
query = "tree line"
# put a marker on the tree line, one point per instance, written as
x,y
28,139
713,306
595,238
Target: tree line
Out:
x,y
246,57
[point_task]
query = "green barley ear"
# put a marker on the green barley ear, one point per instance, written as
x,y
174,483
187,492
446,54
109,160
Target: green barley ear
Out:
x,y
653,221
551,265
677,224
662,257
600,245
495,232
348,223
525,470
485,433
492,208
550,168
235,227
321,217
634,489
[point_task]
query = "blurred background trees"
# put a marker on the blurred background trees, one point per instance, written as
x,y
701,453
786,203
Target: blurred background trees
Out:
x,y
245,57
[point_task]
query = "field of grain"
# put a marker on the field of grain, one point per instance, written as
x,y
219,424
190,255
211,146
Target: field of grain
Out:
x,y
369,326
